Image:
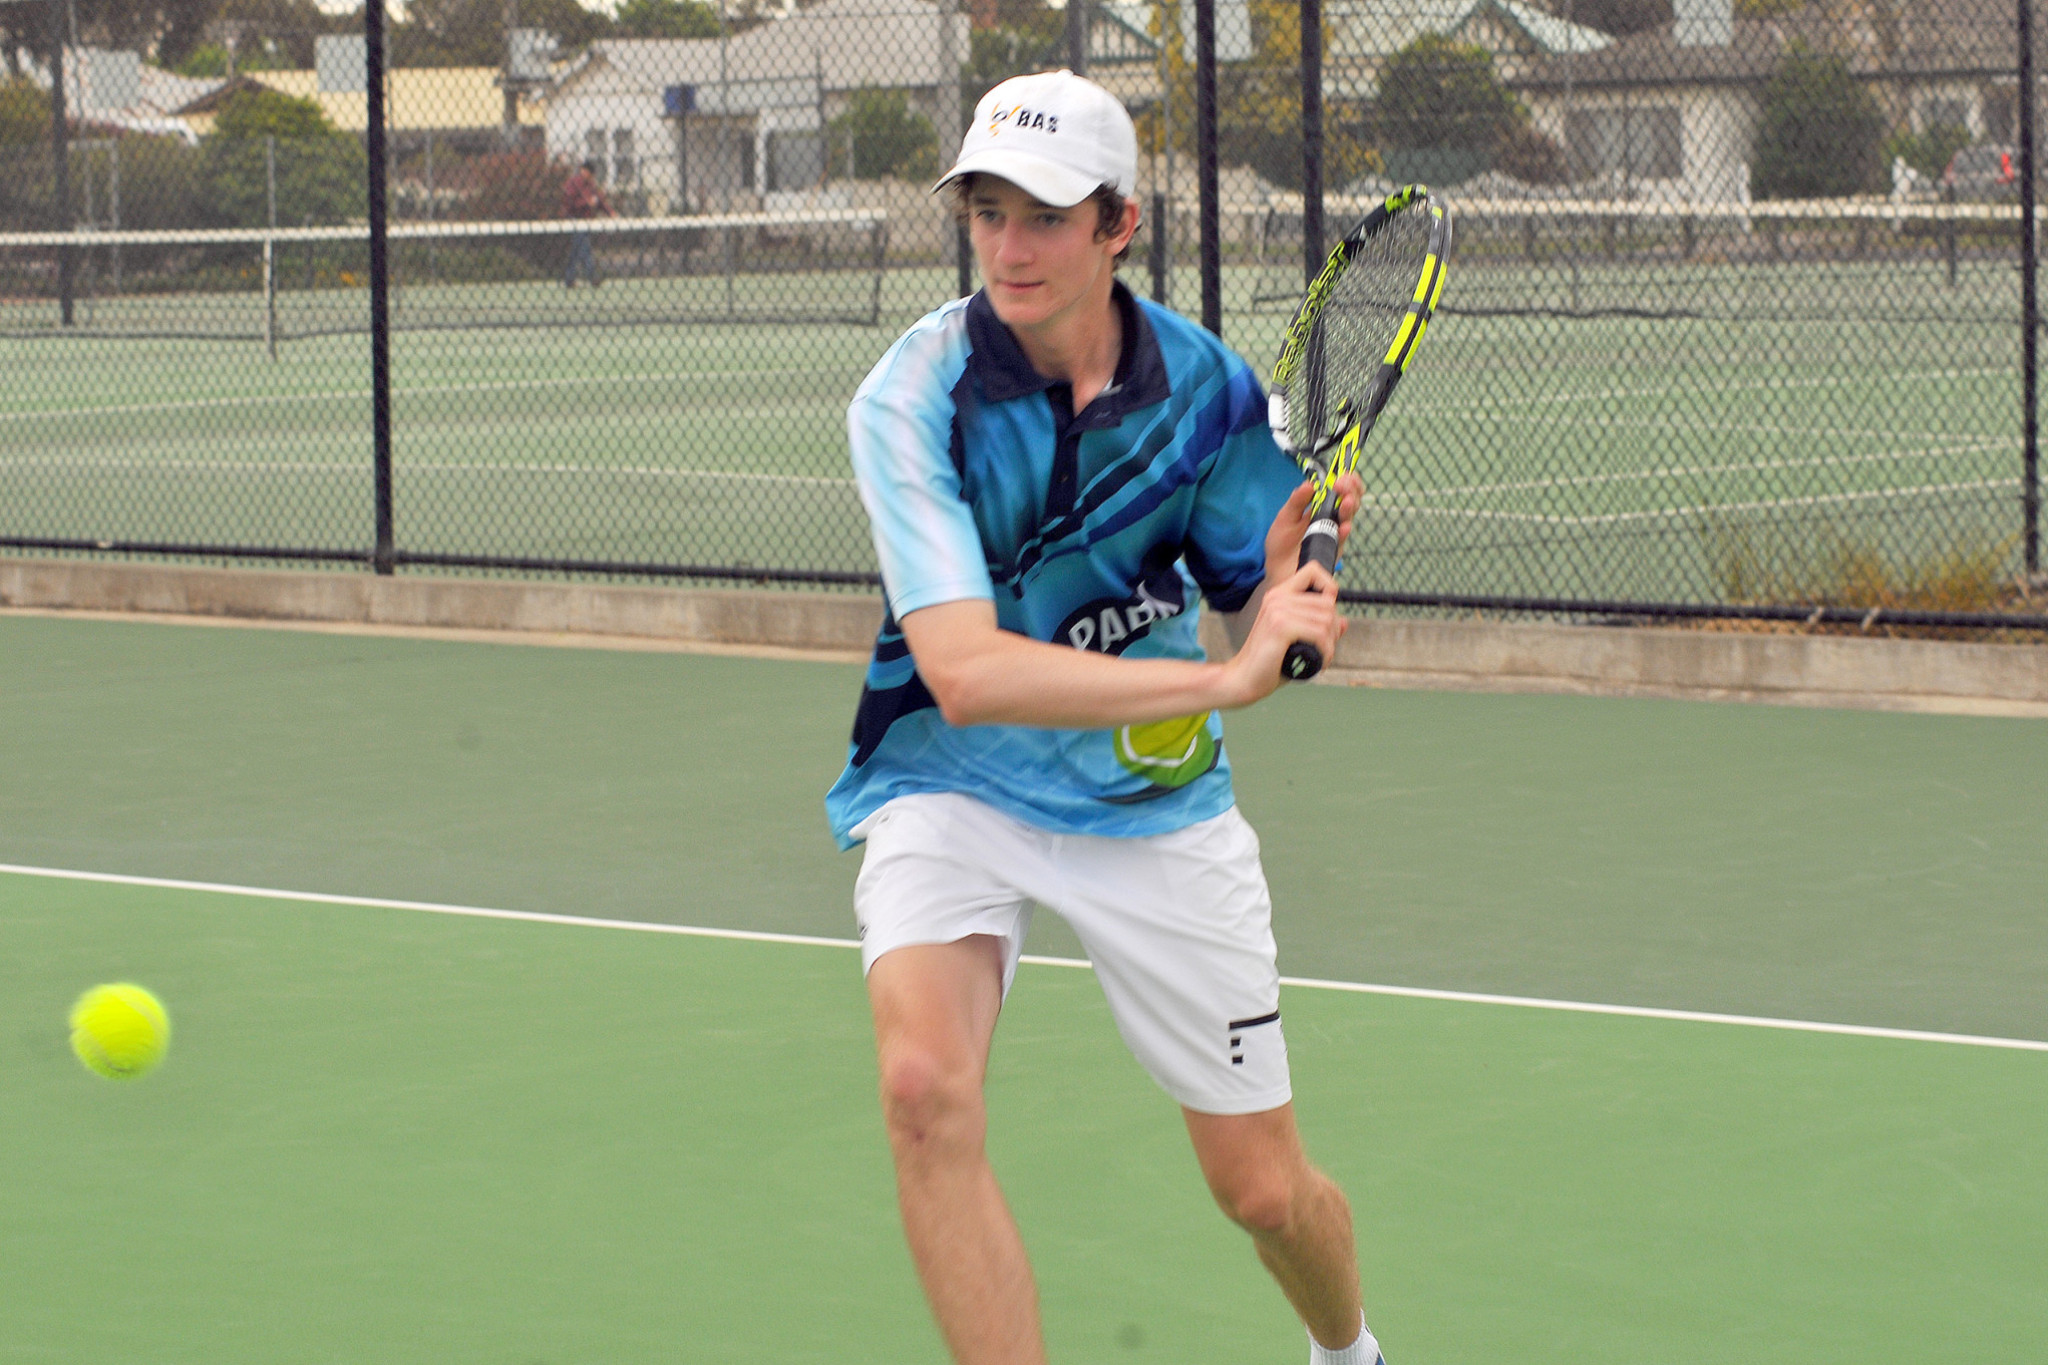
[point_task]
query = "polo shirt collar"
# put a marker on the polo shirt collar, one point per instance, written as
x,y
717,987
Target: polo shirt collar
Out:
x,y
1000,366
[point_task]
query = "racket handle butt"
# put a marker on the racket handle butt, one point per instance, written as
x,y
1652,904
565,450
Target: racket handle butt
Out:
x,y
1318,546
1303,662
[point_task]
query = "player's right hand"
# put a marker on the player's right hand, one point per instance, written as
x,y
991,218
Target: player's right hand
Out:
x,y
1302,606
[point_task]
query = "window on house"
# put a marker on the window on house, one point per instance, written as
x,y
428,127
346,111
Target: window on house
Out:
x,y
594,149
625,166
1642,144
796,161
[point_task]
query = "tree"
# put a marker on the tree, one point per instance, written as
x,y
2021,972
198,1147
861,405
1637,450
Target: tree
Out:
x,y
279,34
1443,113
1026,37
169,30
1258,102
472,32
321,171
1819,132
666,19
25,193
163,183
888,137
24,114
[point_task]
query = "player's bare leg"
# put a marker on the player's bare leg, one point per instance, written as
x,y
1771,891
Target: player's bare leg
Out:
x,y
935,1010
1297,1217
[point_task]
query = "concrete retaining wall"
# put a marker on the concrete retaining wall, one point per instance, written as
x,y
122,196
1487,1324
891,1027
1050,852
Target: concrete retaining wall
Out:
x,y
1813,670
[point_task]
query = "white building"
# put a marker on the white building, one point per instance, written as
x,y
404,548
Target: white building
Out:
x,y
761,100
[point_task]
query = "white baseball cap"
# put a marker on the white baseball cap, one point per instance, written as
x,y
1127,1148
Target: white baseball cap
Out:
x,y
1054,135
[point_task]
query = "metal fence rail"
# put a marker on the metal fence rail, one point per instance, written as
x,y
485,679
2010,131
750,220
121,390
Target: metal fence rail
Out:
x,y
1742,322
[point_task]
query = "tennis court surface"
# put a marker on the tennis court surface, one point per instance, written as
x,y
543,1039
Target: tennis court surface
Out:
x,y
389,1132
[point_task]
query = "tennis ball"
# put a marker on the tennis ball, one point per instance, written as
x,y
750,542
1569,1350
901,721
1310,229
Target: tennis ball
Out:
x,y
120,1031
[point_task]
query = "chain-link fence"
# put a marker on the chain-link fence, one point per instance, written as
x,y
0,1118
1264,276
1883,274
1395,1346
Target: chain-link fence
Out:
x,y
1740,318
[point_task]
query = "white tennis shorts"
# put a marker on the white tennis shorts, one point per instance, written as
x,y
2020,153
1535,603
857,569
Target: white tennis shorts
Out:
x,y
1179,928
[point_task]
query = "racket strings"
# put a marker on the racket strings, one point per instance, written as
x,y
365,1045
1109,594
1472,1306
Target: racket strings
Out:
x,y
1360,318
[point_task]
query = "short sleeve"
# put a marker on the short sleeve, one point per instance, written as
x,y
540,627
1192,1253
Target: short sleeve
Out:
x,y
1238,496
900,430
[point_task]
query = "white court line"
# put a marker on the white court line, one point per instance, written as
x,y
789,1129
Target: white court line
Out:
x,y
1307,983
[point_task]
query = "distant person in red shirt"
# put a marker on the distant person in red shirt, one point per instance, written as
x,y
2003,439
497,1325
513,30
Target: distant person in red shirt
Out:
x,y
583,197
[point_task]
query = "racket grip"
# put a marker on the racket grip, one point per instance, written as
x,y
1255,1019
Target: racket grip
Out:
x,y
1319,545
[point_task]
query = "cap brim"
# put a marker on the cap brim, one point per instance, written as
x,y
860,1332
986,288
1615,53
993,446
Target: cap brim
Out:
x,y
1044,181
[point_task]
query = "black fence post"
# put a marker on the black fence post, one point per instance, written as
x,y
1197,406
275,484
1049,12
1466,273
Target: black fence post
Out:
x,y
380,293
1077,37
2030,322
1311,139
60,155
1205,165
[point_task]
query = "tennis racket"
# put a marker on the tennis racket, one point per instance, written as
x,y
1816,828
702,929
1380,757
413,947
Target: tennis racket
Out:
x,y
1347,347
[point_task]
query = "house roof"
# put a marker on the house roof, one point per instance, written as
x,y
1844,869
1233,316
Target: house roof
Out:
x,y
843,44
1927,38
151,104
1373,28
416,98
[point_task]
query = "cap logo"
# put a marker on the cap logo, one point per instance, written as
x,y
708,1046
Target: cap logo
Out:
x,y
1018,116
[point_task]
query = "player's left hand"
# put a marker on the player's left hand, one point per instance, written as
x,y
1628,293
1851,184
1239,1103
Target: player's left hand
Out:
x,y
1283,540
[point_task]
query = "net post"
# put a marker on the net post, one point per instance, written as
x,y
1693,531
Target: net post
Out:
x,y
732,264
2030,448
60,157
1311,140
384,558
1948,233
270,296
1205,165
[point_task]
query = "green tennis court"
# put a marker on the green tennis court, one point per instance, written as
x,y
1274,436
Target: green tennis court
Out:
x,y
402,1134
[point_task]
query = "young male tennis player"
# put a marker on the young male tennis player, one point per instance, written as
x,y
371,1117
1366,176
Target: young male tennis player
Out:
x,y
1054,470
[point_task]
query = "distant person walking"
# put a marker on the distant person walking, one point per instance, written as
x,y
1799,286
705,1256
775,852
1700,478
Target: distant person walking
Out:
x,y
583,197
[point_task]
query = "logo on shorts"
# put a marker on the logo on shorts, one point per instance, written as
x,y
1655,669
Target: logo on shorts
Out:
x,y
1237,1028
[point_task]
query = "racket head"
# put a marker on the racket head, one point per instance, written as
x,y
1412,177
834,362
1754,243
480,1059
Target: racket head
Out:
x,y
1357,329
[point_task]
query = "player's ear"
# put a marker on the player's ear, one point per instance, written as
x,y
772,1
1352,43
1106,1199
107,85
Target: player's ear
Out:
x,y
1128,227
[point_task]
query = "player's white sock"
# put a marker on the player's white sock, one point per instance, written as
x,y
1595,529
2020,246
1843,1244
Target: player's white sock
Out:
x,y
1364,1351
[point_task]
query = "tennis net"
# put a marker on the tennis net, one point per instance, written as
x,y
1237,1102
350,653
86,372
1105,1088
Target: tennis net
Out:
x,y
276,284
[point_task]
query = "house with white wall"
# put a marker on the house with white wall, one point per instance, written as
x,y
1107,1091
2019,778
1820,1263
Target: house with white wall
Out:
x,y
1671,114
751,131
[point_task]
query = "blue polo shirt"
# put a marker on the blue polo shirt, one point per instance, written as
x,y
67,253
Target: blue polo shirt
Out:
x,y
1099,530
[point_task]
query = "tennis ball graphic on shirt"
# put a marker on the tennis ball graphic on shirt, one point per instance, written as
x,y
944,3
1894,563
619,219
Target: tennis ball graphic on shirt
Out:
x,y
1168,753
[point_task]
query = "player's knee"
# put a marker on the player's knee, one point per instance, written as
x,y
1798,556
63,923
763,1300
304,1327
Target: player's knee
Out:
x,y
1259,1201
928,1104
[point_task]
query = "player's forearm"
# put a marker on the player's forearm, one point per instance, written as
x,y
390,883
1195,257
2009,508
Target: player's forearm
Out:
x,y
1015,680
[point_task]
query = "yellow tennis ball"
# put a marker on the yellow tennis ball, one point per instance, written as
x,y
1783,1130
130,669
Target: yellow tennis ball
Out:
x,y
120,1031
